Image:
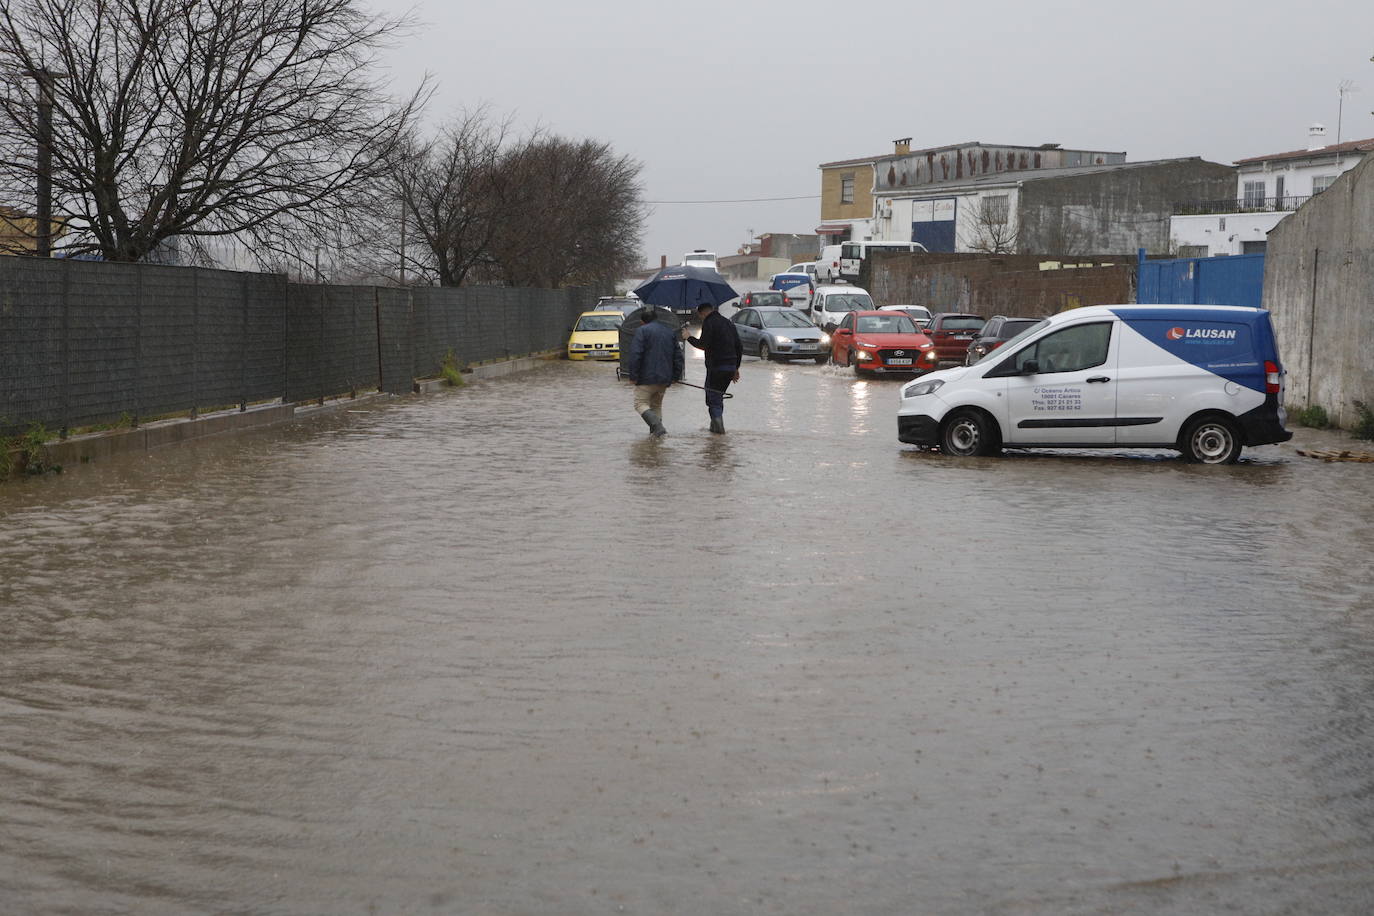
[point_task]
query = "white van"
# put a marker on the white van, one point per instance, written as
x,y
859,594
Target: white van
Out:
x,y
828,264
1203,379
852,255
829,304
700,257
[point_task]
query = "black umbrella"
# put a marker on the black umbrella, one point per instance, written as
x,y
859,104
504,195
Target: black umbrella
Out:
x,y
683,288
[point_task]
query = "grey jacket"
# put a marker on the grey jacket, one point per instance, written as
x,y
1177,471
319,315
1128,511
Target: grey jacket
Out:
x,y
655,356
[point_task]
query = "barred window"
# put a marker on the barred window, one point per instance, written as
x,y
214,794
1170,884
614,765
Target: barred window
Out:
x,y
846,189
996,209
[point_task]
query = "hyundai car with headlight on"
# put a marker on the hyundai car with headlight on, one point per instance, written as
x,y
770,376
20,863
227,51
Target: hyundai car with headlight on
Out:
x,y
879,342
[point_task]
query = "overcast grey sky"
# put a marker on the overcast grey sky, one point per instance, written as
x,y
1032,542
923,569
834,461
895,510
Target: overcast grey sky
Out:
x,y
733,100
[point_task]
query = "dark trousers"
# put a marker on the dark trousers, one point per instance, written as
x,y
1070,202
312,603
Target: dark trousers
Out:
x,y
717,381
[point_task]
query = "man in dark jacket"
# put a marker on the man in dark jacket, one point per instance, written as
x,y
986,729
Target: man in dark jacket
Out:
x,y
654,363
724,352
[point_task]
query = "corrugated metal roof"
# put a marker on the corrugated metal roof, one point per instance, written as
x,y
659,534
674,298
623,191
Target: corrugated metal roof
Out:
x,y
1350,146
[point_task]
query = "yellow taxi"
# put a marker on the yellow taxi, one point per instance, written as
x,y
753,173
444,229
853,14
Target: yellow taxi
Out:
x,y
596,336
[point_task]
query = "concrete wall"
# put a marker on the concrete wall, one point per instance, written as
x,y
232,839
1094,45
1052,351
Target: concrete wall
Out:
x,y
1319,285
1115,210
1018,285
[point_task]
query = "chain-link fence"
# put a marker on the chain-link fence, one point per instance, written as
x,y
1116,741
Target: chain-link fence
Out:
x,y
85,343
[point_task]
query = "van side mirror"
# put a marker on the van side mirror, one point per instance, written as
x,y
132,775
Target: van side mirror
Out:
x,y
1030,367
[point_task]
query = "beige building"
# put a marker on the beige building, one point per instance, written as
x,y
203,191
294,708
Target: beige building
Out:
x,y
847,197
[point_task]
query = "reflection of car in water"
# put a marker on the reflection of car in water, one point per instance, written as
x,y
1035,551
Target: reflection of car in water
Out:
x,y
881,342
771,332
596,335
1205,380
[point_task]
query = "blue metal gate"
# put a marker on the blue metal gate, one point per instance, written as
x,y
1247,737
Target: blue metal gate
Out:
x,y
1226,280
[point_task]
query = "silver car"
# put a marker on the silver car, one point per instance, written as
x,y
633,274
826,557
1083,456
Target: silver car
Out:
x,y
773,332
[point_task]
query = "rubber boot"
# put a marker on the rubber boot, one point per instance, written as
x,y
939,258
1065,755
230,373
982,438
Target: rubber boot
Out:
x,y
655,423
717,423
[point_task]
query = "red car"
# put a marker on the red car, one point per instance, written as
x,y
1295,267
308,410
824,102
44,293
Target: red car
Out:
x,y
881,342
952,332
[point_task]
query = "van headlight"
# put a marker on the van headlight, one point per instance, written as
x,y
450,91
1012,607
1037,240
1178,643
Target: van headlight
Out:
x,y
920,388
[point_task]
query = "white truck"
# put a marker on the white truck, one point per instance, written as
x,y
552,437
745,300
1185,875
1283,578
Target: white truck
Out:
x,y
700,257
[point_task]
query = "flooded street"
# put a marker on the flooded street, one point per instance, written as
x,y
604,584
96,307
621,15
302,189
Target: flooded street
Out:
x,y
495,651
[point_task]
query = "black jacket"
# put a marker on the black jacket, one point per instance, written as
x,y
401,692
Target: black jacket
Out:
x,y
720,340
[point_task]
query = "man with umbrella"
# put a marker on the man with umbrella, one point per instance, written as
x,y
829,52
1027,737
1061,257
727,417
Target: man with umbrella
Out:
x,y
654,363
681,288
724,352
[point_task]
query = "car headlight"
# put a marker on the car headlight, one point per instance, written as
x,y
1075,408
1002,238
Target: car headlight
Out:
x,y
825,340
782,340
864,354
920,388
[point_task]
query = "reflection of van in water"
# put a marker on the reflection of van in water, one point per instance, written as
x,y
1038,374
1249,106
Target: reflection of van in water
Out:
x,y
1205,380
852,255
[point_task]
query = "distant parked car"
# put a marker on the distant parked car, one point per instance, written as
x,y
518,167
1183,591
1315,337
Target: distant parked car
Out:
x,y
952,332
881,342
919,313
996,332
769,332
622,304
831,303
798,285
596,336
765,297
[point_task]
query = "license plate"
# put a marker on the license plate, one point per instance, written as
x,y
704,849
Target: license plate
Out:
x,y
904,361
805,347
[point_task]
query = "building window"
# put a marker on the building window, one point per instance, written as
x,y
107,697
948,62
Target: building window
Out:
x,y
1254,195
1192,251
1321,183
846,189
1253,247
995,209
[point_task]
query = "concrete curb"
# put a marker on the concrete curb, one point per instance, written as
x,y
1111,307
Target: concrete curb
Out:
x,y
96,446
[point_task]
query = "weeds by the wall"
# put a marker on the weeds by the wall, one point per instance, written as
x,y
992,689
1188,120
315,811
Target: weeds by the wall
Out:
x,y
1314,416
23,453
450,372
1364,423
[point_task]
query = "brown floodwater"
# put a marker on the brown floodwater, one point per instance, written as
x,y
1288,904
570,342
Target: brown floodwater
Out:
x,y
495,651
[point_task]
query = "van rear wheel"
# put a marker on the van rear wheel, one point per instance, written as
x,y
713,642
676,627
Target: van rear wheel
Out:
x,y
1212,440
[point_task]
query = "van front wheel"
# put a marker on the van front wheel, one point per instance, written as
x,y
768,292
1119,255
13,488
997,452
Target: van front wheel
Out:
x,y
967,434
1212,440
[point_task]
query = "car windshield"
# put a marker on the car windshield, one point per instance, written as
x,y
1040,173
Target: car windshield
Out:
x,y
785,319
847,302
1002,351
895,323
963,323
1011,328
598,323
917,311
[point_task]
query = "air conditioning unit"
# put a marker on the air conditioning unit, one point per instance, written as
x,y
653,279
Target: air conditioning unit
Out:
x,y
885,211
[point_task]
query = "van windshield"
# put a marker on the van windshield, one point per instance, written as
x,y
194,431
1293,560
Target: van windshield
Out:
x,y
847,302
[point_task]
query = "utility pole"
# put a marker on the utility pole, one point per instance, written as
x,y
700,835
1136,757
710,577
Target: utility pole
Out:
x,y
44,77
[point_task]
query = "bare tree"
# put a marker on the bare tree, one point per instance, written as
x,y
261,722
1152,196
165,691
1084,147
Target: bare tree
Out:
x,y
447,198
991,229
571,214
197,118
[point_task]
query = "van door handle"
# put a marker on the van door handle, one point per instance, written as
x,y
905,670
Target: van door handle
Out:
x,y
1098,378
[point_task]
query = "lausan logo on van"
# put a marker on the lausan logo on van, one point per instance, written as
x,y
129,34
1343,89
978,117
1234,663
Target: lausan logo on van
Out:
x,y
1201,333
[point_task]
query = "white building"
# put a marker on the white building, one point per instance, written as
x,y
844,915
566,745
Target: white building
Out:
x,y
1268,188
